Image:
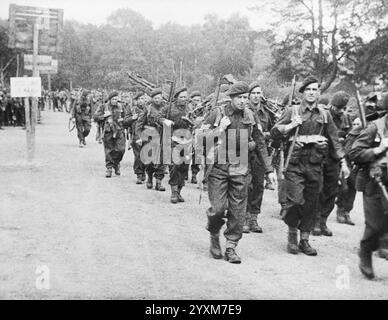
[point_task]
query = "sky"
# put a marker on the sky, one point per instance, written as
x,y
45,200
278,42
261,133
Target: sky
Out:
x,y
185,12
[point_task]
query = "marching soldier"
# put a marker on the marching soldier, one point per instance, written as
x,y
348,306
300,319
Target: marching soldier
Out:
x,y
303,177
331,167
130,121
369,150
227,178
82,113
178,120
113,135
258,169
147,120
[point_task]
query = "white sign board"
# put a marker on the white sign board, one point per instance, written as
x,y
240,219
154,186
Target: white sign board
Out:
x,y
24,87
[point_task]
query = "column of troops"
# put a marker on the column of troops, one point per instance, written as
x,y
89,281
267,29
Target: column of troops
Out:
x,y
320,154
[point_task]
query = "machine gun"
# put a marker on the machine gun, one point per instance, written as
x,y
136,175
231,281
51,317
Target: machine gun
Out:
x,y
139,80
273,107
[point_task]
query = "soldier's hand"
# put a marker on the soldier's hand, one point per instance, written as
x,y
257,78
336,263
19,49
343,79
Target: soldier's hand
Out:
x,y
297,121
224,123
271,177
139,142
251,145
168,123
135,116
345,172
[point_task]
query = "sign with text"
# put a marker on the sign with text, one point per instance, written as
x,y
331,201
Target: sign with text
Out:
x,y
21,26
46,65
25,87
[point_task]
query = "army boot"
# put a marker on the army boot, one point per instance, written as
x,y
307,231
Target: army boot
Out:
x,y
347,219
253,226
341,215
317,227
84,142
215,247
324,229
246,224
304,245
180,198
292,245
81,145
108,173
230,253
149,183
139,179
117,170
365,264
159,186
383,247
174,194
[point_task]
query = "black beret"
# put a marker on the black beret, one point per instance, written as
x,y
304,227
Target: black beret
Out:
x,y
309,80
113,94
139,94
254,85
239,87
195,94
155,92
384,102
323,100
179,90
340,99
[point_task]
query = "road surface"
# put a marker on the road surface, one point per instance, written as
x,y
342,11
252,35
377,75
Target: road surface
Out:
x,y
67,232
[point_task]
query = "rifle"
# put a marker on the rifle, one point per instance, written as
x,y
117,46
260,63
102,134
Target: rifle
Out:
x,y
297,129
361,110
219,115
170,97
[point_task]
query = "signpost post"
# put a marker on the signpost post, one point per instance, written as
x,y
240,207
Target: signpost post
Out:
x,y
39,30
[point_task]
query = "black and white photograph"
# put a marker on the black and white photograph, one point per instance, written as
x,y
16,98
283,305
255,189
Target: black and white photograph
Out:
x,y
181,150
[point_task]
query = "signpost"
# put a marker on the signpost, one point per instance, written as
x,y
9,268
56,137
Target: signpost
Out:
x,y
39,30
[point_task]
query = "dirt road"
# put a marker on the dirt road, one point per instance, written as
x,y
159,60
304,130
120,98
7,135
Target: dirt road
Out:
x,y
68,232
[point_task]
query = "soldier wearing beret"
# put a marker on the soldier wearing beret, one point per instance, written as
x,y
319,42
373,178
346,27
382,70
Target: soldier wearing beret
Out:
x,y
175,119
148,120
130,121
259,170
303,176
331,168
112,114
369,151
227,178
82,114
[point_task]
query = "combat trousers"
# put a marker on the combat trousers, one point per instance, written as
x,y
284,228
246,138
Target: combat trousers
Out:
x,y
114,148
156,170
329,192
138,165
83,127
346,197
256,186
227,193
177,174
302,185
376,222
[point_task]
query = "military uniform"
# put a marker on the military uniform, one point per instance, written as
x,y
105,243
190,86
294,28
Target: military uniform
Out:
x,y
113,134
258,168
303,177
331,167
228,182
138,165
148,119
179,112
367,153
82,112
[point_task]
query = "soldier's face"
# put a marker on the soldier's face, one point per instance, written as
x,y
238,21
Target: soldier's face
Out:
x,y
339,111
256,95
157,99
182,97
311,93
141,100
196,100
356,123
114,101
240,101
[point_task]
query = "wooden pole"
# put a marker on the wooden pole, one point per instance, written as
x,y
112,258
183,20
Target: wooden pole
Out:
x,y
17,65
